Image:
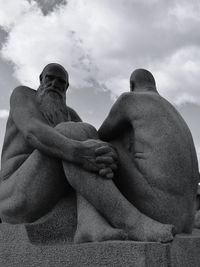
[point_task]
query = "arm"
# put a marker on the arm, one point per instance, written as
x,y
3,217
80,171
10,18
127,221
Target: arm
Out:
x,y
116,119
30,122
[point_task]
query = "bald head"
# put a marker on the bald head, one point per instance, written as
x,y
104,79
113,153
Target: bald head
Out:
x,y
51,94
55,68
142,80
54,79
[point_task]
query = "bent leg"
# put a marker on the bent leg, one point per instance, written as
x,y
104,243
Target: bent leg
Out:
x,y
108,200
91,225
40,180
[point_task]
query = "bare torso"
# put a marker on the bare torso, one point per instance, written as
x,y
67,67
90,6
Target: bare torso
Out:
x,y
16,149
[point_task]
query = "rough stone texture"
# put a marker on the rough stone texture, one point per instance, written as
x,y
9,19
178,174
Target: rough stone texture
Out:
x,y
157,157
58,225
114,253
48,242
184,252
155,183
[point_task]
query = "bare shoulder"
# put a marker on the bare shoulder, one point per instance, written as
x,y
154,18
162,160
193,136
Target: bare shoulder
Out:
x,y
22,91
22,95
123,102
125,98
74,116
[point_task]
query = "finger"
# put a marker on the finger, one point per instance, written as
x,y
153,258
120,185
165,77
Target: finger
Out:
x,y
104,160
102,150
100,166
113,167
107,172
109,175
113,154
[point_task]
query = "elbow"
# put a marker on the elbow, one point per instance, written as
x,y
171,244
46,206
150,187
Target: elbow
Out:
x,y
30,134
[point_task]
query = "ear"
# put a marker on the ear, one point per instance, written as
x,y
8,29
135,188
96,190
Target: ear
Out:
x,y
132,85
40,78
67,85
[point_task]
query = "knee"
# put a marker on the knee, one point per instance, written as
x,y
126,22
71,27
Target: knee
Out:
x,y
77,130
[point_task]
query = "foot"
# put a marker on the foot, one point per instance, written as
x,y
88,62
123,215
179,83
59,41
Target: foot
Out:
x,y
147,229
84,234
92,226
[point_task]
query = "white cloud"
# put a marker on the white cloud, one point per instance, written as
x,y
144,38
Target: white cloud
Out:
x,y
4,113
105,40
178,76
12,12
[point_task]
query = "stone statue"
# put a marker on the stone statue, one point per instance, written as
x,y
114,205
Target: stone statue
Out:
x,y
197,214
48,151
158,168
32,176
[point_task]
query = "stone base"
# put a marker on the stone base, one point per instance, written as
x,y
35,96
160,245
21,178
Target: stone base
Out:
x,y
16,249
49,242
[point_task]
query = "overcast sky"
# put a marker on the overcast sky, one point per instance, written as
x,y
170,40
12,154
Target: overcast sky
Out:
x,y
100,42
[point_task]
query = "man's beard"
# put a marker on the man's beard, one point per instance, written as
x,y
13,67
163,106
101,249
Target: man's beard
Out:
x,y
52,107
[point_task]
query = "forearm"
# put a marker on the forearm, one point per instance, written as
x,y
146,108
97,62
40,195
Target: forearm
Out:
x,y
52,143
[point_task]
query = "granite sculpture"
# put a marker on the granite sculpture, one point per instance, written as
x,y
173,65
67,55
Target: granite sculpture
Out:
x,y
136,178
197,214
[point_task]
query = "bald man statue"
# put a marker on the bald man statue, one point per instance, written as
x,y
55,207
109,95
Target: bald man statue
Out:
x,y
158,169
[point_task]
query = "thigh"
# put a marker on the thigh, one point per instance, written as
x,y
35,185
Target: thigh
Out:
x,y
41,179
46,172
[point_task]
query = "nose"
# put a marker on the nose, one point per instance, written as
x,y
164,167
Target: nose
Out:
x,y
55,83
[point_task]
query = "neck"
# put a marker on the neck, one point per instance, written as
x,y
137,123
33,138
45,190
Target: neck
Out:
x,y
145,88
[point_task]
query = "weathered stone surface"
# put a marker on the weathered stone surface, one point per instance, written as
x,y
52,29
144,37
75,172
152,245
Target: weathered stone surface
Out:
x,y
185,250
47,151
16,249
59,225
49,242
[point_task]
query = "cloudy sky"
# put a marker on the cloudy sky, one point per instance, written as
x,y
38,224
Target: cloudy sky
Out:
x,y
100,42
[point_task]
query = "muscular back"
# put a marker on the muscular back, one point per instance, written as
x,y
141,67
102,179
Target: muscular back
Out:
x,y
158,164
163,145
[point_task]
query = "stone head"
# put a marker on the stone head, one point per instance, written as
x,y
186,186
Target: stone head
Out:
x,y
51,94
142,80
54,78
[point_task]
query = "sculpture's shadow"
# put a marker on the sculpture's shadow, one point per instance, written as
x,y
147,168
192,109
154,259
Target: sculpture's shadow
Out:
x,y
59,225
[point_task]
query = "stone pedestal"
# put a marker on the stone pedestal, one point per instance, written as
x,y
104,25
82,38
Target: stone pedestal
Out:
x,y
48,242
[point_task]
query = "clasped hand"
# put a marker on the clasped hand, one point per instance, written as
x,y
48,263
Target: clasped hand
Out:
x,y
100,157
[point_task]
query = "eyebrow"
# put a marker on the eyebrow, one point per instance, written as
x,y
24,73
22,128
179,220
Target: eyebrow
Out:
x,y
52,75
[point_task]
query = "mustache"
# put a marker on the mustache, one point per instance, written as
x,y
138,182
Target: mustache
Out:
x,y
51,89
54,90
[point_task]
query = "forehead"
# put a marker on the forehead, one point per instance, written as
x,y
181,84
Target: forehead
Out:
x,y
55,71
